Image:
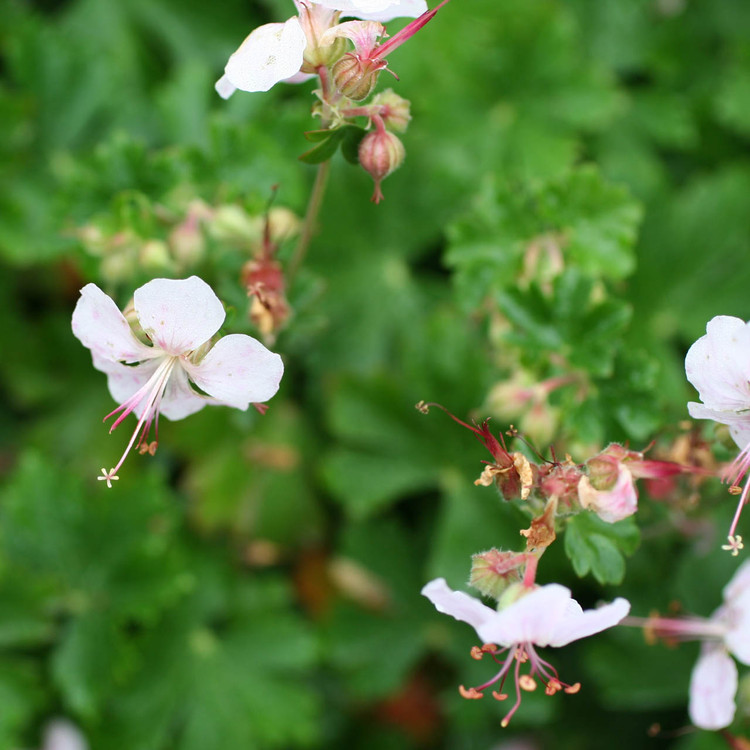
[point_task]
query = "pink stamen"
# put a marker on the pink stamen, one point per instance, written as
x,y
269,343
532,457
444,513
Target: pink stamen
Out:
x,y
735,473
407,32
152,392
515,656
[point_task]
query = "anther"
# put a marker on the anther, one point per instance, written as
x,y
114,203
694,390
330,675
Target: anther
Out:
x,y
471,693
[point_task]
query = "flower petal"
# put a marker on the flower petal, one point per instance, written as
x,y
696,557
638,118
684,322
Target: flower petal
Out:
x,y
178,315
457,604
533,619
61,734
735,613
713,686
238,370
718,364
614,504
180,400
224,87
584,624
377,10
101,327
268,55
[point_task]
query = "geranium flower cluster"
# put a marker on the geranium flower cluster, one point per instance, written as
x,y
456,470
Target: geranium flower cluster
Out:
x,y
348,58
529,616
604,484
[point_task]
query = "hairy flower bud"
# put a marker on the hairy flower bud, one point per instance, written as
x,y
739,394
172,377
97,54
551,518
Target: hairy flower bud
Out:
x,y
380,153
492,572
395,112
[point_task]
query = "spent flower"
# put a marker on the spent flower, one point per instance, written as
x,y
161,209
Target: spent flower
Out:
x,y
528,618
172,369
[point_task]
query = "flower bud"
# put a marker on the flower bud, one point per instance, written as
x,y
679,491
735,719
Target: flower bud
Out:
x,y
395,113
355,78
154,254
231,223
492,572
380,153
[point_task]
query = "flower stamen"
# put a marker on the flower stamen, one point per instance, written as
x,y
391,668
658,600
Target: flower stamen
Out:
x,y
151,392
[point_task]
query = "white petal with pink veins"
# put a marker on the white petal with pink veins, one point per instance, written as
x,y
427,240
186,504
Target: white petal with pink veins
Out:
x,y
713,685
238,370
178,315
101,327
268,55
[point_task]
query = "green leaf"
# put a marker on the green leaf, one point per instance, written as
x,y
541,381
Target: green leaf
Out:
x,y
599,548
87,662
239,674
325,148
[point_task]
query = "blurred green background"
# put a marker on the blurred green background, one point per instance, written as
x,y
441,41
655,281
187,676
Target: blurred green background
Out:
x,y
256,583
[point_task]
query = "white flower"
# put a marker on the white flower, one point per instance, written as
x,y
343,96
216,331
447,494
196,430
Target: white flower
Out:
x,y
718,365
713,684
546,616
275,52
160,377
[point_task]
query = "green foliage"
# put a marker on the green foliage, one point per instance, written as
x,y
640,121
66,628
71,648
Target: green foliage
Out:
x,y
599,548
571,212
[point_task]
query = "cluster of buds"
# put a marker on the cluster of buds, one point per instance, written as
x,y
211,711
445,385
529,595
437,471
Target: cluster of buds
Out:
x,y
604,484
348,58
175,242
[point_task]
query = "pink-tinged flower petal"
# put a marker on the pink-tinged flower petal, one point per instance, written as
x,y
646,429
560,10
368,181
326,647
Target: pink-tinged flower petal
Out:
x,y
534,618
271,53
735,614
377,10
713,686
101,327
224,87
584,624
457,604
299,78
180,400
739,584
178,315
363,34
718,364
238,370
610,505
